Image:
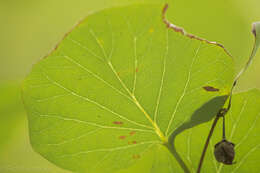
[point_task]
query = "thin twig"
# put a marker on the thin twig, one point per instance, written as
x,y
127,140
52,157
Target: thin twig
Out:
x,y
224,130
207,143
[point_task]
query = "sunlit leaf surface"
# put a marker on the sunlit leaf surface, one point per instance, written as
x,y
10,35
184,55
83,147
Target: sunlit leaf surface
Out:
x,y
120,86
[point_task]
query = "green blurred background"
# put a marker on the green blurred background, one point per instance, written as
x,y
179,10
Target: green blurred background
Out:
x,y
29,29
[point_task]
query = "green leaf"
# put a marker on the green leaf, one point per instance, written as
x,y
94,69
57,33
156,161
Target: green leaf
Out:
x,y
242,128
112,93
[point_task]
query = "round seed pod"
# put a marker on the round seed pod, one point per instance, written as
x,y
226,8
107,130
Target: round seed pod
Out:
x,y
224,152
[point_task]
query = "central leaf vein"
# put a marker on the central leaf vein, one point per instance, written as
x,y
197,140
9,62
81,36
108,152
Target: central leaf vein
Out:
x,y
156,128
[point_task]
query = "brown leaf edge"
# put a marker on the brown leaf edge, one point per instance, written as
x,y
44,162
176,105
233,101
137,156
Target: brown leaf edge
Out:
x,y
183,32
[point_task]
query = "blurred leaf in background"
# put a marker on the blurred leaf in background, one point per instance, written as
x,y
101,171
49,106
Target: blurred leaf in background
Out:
x,y
11,110
30,29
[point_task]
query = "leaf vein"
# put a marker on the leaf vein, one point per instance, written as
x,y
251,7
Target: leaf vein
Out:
x,y
93,124
110,149
94,102
162,78
184,90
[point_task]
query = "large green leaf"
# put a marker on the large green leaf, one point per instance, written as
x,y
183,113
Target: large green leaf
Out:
x,y
118,86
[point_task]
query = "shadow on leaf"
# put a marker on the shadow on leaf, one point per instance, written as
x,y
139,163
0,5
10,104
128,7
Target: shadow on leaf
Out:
x,y
204,114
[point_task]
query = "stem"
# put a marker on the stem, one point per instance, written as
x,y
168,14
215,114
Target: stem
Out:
x,y
173,151
222,112
224,130
207,143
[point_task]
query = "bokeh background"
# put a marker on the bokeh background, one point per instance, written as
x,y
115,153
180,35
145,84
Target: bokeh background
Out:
x,y
29,29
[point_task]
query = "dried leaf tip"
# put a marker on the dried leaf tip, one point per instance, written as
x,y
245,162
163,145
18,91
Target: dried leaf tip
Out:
x,y
183,32
255,27
170,25
164,10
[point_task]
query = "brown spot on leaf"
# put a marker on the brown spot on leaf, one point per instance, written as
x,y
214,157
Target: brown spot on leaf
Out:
x,y
210,89
132,133
132,142
122,137
118,122
136,70
136,156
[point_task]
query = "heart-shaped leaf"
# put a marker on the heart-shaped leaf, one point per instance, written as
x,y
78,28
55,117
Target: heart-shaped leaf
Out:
x,y
114,91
